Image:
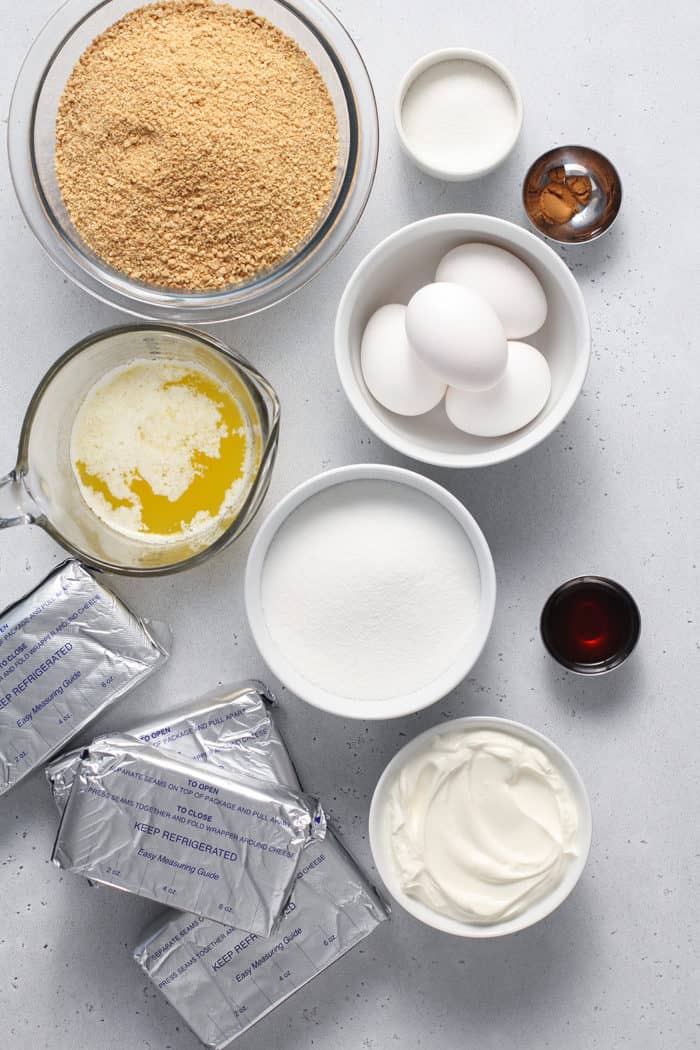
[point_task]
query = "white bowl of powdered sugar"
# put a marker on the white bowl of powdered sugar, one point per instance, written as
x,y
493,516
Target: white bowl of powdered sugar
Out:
x,y
370,591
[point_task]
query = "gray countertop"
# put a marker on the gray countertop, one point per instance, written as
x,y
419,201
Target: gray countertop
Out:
x,y
614,491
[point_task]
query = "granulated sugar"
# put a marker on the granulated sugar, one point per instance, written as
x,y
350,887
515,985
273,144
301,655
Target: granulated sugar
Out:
x,y
196,145
370,589
459,115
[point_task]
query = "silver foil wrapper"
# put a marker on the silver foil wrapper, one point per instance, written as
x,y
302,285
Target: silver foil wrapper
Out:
x,y
68,650
230,727
222,982
186,834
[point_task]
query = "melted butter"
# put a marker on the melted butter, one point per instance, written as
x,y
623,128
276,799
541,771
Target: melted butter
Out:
x,y
100,486
166,478
213,476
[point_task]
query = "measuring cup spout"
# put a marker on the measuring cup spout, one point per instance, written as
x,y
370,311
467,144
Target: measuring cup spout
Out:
x,y
16,506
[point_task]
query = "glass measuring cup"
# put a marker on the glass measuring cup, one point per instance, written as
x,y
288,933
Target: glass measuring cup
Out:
x,y
43,490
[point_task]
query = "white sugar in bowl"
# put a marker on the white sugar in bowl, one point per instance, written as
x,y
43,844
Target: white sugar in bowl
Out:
x,y
370,591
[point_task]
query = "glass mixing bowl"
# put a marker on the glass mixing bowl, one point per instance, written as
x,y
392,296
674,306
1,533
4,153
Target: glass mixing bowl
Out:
x,y
31,140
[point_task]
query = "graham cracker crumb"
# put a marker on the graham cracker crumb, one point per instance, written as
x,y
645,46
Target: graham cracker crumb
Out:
x,y
196,145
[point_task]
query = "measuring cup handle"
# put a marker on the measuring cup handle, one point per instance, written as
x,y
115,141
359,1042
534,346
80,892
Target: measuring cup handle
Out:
x,y
14,500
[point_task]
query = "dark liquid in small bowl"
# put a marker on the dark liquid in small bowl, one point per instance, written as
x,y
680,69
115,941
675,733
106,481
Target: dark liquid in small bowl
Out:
x,y
590,624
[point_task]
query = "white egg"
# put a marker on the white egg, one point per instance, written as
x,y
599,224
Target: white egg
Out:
x,y
514,401
456,333
504,280
393,372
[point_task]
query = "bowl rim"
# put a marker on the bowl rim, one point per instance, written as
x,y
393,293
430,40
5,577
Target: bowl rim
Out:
x,y
151,302
542,908
346,707
472,225
434,58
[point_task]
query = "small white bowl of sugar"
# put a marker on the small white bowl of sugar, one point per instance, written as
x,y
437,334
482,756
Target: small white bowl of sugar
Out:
x,y
458,113
370,591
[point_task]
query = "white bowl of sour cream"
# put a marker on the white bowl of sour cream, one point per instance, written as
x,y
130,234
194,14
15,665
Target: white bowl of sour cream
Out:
x,y
480,827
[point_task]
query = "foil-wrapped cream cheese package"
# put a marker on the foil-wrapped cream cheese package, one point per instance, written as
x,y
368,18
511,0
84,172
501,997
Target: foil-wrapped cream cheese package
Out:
x,y
222,981
183,833
68,650
230,727
333,906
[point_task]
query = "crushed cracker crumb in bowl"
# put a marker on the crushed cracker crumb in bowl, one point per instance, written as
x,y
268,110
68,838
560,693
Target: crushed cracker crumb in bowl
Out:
x,y
190,160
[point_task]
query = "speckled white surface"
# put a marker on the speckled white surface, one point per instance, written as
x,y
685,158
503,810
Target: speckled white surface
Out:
x,y
615,491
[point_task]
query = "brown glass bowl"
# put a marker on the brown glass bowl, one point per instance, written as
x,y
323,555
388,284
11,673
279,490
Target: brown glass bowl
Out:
x,y
572,194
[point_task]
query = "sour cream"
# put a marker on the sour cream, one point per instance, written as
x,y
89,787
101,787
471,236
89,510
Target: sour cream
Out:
x,y
483,825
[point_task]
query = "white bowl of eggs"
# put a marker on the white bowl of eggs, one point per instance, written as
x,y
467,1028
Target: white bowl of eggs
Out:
x,y
462,340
